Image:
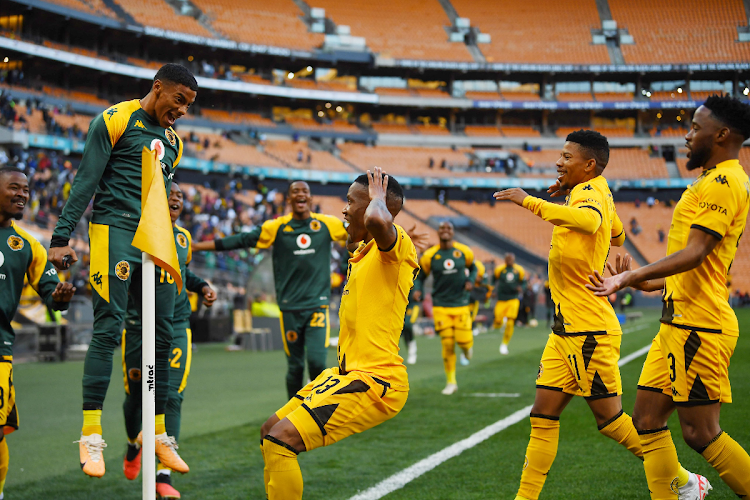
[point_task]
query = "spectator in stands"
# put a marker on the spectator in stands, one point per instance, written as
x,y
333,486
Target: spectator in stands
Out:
x,y
300,155
431,163
635,228
661,234
650,201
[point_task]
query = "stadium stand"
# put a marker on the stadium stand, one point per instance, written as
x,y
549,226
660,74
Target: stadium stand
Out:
x,y
520,96
224,150
400,29
575,96
613,96
519,131
296,154
430,129
95,7
688,31
276,23
542,159
483,96
649,221
635,163
406,160
392,128
160,14
219,115
668,95
482,130
540,31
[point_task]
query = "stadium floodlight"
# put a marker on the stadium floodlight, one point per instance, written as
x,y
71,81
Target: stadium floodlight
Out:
x,y
6,60
328,105
648,94
290,75
339,109
746,91
679,90
321,114
309,68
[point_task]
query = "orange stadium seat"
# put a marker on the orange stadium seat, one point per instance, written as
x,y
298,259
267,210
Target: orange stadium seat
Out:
x,y
539,31
95,7
394,92
702,95
430,129
681,31
670,132
668,95
483,96
401,29
650,219
288,152
227,151
160,14
276,23
392,128
574,96
634,163
606,131
544,159
481,130
405,160
520,96
519,131
432,93
613,96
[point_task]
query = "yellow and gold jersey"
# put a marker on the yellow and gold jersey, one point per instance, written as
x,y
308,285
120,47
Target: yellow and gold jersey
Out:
x,y
716,202
372,309
584,230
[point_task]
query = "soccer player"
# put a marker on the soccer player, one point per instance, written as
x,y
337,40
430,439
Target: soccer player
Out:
x,y
20,256
686,367
453,270
301,267
370,384
180,355
581,355
509,281
111,170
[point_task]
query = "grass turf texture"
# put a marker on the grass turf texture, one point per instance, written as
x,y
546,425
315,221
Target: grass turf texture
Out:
x,y
230,394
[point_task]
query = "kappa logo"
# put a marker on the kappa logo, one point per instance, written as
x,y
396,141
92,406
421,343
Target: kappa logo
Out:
x,y
158,146
171,137
111,111
449,264
2,259
721,179
134,374
97,279
15,243
315,225
122,270
588,187
139,124
182,240
457,254
291,336
303,241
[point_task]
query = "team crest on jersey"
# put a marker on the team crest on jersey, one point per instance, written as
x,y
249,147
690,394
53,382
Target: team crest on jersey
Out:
x,y
134,374
181,240
457,253
540,372
291,336
315,225
158,146
674,486
15,243
449,264
171,137
304,241
122,270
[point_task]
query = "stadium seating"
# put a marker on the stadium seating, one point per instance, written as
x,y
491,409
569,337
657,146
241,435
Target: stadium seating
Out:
x,y
519,131
405,160
668,95
702,95
401,29
540,31
95,7
219,115
635,163
687,31
520,96
613,96
650,220
160,14
575,96
276,23
288,152
544,159
482,130
483,96
224,150
392,128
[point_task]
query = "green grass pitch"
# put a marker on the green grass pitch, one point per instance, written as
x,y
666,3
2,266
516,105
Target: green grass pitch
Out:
x,y
230,394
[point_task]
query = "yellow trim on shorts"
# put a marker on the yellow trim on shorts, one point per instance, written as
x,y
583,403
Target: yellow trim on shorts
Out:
x,y
414,314
124,367
283,334
328,327
188,360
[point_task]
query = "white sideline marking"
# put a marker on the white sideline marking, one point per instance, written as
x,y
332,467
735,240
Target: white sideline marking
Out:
x,y
401,479
493,395
636,328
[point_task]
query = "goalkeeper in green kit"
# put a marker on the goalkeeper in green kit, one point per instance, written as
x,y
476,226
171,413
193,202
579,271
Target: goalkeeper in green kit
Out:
x,y
110,170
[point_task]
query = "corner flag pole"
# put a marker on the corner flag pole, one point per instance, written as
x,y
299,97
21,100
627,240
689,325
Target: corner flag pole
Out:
x,y
148,377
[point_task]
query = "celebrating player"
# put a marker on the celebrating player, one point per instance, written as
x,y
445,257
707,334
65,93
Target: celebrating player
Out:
x,y
370,384
687,365
20,256
453,270
583,349
509,281
301,268
111,168
179,361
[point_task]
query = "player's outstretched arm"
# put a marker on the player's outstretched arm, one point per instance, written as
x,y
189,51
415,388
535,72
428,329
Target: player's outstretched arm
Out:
x,y
194,283
378,220
204,246
581,219
699,245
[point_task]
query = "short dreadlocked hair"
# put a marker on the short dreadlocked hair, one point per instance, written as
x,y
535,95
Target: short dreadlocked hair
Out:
x,y
593,143
732,112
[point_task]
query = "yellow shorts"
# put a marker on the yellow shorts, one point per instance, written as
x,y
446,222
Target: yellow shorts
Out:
x,y
333,406
582,365
506,309
457,318
8,410
691,366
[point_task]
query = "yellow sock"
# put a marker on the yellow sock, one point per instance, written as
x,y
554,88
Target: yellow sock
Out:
x,y
92,422
541,452
161,466
509,327
620,428
4,459
284,474
682,477
519,497
731,461
660,463
449,359
161,427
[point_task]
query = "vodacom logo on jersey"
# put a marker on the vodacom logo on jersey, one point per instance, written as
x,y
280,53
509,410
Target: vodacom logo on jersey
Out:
x,y
450,266
303,242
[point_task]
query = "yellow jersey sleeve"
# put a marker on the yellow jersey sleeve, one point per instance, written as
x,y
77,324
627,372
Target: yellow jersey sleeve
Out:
x,y
521,272
117,121
189,243
268,232
179,148
467,251
426,261
38,264
498,270
717,205
401,248
480,269
582,211
618,231
335,226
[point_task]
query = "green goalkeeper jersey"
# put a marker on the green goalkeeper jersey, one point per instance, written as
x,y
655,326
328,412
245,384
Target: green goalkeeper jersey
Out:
x,y
301,256
21,255
110,169
451,269
190,282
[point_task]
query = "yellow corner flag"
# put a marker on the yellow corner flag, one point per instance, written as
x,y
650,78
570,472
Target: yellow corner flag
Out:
x,y
154,234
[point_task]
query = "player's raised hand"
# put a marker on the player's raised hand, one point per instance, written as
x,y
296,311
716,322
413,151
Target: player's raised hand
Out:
x,y
556,190
378,184
516,195
209,296
420,239
622,264
604,287
62,257
63,292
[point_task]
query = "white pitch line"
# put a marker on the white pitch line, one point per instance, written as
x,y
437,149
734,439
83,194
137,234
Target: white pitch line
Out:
x,y
493,395
401,479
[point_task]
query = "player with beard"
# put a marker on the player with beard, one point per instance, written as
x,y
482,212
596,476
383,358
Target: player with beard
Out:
x,y
687,366
301,254
21,256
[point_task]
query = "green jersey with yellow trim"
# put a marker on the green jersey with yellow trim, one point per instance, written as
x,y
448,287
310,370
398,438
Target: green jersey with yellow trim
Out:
x,y
451,269
301,256
110,169
190,282
21,255
509,281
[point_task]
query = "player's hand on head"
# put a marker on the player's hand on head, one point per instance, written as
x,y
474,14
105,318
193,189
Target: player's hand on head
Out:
x,y
555,190
378,184
516,195
63,292
604,287
57,255
209,296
